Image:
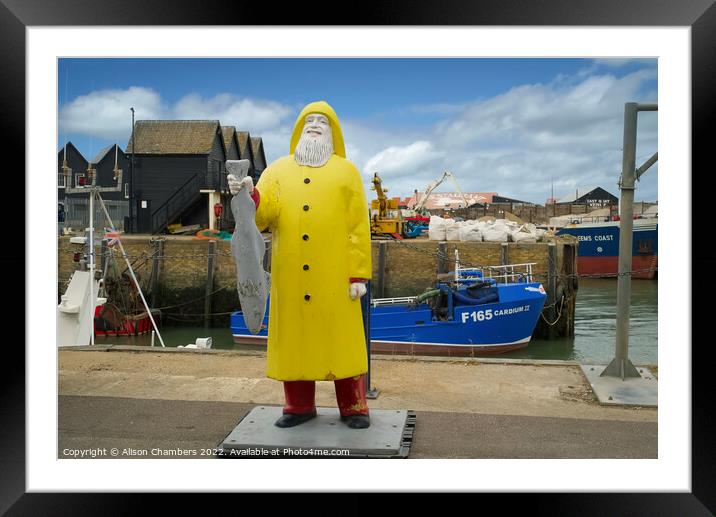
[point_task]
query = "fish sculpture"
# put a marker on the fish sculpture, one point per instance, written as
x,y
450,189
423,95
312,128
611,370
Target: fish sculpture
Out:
x,y
248,248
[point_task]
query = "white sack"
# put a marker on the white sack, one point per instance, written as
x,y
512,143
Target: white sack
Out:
x,y
436,228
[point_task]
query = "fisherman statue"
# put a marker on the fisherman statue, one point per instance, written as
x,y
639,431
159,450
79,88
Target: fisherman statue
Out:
x,y
314,204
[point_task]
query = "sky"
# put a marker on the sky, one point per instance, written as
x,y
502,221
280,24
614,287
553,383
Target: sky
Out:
x,y
519,127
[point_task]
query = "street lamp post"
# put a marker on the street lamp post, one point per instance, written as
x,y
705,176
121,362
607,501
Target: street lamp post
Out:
x,y
131,181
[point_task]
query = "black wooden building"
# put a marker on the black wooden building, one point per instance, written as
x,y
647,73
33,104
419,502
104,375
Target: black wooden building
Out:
x,y
70,155
503,199
257,149
246,151
595,197
179,172
104,164
240,145
231,143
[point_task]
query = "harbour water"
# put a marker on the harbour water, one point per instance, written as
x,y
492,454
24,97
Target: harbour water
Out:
x,y
594,328
595,322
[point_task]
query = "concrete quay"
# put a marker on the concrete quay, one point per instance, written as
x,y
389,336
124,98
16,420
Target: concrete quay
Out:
x,y
139,399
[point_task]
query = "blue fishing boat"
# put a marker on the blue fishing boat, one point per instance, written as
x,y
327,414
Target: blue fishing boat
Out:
x,y
475,312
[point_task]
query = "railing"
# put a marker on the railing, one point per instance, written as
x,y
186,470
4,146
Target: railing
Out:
x,y
379,302
596,219
77,212
177,203
507,273
510,272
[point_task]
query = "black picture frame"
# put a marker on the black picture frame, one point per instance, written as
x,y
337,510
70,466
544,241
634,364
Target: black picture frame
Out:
x,y
699,15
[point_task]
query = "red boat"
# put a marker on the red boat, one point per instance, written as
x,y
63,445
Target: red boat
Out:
x,y
110,321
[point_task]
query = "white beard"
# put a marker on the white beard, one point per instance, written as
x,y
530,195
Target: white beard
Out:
x,y
314,152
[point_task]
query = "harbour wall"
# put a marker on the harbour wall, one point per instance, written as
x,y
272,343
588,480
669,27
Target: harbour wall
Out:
x,y
536,214
193,282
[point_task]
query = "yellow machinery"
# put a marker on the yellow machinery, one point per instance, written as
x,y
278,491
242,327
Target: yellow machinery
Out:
x,y
385,214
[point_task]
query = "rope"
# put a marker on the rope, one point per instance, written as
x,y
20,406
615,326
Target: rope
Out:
x,y
199,315
192,301
559,315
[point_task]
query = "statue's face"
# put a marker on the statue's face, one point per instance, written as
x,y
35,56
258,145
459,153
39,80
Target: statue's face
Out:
x,y
316,126
315,146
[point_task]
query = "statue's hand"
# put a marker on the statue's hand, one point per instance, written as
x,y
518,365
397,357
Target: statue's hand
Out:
x,y
235,185
357,290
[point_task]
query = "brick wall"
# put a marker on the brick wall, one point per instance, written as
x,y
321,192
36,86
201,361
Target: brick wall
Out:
x,y
410,269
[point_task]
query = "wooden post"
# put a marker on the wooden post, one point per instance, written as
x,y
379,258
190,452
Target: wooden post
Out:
x,y
442,258
382,251
209,284
156,265
552,289
568,287
574,285
504,253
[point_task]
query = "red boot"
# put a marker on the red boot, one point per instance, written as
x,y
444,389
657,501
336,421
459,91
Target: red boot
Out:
x,y
352,405
300,404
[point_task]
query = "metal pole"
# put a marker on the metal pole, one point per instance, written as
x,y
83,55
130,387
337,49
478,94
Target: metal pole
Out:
x,y
131,181
645,166
370,393
621,366
93,300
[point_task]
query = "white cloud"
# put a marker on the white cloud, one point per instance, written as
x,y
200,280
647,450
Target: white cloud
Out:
x,y
276,141
516,143
105,113
255,115
403,161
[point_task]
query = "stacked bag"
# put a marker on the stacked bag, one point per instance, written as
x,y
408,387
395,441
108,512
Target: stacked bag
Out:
x,y
499,230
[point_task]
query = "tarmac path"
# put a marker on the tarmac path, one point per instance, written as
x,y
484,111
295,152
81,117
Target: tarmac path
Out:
x,y
168,425
172,399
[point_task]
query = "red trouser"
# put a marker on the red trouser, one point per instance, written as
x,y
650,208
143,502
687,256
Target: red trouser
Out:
x,y
350,394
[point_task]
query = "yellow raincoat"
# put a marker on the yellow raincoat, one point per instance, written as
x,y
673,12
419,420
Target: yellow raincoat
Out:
x,y
320,228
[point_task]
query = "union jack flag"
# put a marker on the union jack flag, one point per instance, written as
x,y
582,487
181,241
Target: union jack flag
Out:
x,y
111,234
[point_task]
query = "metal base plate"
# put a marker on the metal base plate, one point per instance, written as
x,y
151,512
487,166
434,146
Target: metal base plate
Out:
x,y
642,391
389,436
